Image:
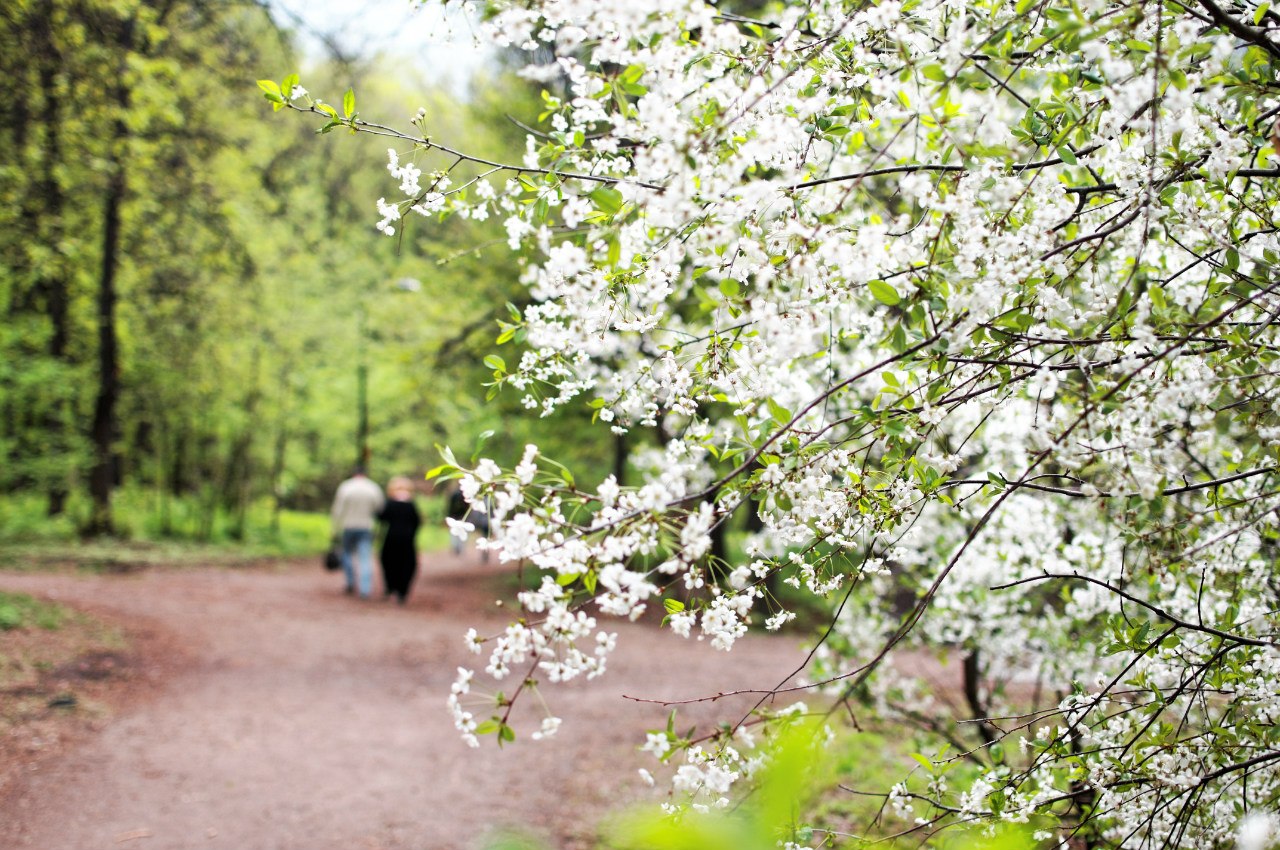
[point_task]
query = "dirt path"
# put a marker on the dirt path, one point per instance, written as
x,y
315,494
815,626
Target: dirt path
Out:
x,y
292,716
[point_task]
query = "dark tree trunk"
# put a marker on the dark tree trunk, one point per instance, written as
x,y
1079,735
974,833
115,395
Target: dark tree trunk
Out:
x,y
279,451
178,460
237,486
973,695
362,390
54,284
277,473
102,476
621,451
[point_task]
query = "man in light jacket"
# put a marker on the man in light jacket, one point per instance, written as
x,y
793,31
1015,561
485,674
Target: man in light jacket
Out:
x,y
355,507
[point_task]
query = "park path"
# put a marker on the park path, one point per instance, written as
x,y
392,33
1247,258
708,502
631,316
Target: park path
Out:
x,y
292,717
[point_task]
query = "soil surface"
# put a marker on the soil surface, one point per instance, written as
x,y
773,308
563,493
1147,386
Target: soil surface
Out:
x,y
262,709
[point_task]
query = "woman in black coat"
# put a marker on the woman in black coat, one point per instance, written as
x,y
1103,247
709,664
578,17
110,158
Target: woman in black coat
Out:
x,y
400,519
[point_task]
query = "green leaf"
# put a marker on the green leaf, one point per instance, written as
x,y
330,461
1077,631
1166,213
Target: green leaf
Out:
x,y
506,733
884,293
1065,154
730,288
779,413
270,87
439,470
673,606
349,103
487,727
481,439
607,199
1156,294
924,762
496,363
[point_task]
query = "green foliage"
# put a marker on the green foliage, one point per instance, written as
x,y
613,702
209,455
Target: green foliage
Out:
x,y
20,611
802,762
795,774
159,529
254,293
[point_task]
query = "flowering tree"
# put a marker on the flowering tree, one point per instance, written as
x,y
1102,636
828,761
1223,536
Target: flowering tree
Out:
x,y
974,306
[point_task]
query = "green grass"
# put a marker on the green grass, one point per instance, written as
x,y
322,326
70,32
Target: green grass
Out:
x,y
871,762
20,611
173,532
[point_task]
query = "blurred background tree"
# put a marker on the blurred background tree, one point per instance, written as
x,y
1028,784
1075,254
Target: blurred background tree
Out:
x,y
202,326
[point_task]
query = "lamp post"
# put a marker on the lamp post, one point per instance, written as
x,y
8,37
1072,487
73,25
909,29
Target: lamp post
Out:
x,y
404,284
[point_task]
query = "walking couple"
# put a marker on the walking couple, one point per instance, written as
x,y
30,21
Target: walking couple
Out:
x,y
358,508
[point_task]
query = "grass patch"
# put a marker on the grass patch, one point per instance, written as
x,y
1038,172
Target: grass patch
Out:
x,y
39,641
868,763
173,534
59,670
144,517
20,611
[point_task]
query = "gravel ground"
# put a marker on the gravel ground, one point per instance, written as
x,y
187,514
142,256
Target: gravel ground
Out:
x,y
278,713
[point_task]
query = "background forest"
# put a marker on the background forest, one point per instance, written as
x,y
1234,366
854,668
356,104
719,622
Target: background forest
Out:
x,y
202,327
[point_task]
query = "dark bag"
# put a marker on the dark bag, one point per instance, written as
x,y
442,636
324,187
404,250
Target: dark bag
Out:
x,y
333,558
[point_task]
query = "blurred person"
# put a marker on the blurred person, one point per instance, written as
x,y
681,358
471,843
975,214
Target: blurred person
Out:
x,y
457,509
355,505
475,517
400,517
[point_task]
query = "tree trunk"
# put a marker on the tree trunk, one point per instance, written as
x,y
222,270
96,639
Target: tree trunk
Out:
x,y
178,460
362,389
54,285
163,438
279,453
238,483
102,478
973,695
621,452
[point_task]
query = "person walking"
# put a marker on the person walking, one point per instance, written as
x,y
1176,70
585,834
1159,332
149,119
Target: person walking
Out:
x,y
355,505
399,554
457,509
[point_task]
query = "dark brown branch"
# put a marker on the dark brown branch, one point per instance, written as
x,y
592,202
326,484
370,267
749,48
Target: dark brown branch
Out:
x,y
1172,491
1253,35
1159,612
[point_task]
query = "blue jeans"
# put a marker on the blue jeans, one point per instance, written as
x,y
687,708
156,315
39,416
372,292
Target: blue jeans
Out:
x,y
357,543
